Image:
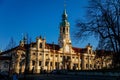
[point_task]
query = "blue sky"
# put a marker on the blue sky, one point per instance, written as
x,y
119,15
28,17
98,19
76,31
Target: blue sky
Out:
x,y
39,17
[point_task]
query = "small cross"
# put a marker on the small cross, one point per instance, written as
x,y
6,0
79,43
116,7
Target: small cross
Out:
x,y
65,4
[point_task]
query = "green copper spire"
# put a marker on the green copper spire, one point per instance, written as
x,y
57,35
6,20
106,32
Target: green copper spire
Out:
x,y
64,19
64,22
64,15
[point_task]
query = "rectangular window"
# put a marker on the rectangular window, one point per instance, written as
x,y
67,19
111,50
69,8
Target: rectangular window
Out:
x,y
50,63
68,57
5,65
56,63
86,65
90,65
94,66
40,54
40,62
77,65
46,63
33,53
56,55
33,63
76,57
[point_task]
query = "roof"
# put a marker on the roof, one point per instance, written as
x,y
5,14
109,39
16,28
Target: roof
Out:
x,y
47,46
5,58
33,44
79,50
52,46
100,53
16,48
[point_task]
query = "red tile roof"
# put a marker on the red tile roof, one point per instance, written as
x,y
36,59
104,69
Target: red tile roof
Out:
x,y
15,48
5,58
79,50
47,46
52,46
103,53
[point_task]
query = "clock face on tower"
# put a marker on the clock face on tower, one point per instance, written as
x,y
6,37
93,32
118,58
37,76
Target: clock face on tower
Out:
x,y
67,48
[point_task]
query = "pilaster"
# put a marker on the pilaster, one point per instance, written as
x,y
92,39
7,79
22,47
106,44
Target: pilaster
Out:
x,y
83,62
54,60
78,62
58,61
43,61
71,62
17,67
30,65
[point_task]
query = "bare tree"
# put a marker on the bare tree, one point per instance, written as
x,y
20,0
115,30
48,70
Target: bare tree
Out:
x,y
11,44
103,21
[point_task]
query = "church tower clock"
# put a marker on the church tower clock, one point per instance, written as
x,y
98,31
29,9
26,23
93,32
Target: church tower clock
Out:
x,y
64,37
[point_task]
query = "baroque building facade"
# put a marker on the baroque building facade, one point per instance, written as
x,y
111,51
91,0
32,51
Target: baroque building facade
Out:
x,y
45,56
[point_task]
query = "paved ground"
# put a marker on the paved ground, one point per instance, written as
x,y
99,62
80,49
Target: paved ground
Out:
x,y
69,77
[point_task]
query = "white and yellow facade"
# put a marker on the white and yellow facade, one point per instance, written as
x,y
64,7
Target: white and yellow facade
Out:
x,y
44,56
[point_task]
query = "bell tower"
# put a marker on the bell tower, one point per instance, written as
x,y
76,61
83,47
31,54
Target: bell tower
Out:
x,y
64,36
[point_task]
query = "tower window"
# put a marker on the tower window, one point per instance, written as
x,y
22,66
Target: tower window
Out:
x,y
67,29
40,45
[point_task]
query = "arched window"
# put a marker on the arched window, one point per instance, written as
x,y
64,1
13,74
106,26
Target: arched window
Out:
x,y
40,45
67,30
89,51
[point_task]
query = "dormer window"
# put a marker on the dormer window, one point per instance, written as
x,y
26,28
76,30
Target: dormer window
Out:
x,y
89,51
40,45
